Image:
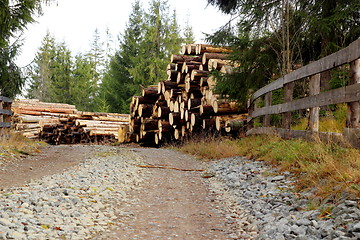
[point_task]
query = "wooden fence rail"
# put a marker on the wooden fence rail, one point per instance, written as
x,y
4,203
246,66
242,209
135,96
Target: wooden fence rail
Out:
x,y
349,94
5,112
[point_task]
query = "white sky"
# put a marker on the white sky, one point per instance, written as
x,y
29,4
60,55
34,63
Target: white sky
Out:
x,y
74,21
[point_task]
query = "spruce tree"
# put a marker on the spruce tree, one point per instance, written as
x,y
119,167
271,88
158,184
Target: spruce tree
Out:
x,y
83,87
97,58
14,17
117,86
188,34
288,32
148,41
42,70
161,39
61,79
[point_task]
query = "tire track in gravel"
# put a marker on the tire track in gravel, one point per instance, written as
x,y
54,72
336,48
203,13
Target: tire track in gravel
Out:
x,y
172,204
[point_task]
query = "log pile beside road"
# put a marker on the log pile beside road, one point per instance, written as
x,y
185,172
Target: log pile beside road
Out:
x,y
185,103
58,123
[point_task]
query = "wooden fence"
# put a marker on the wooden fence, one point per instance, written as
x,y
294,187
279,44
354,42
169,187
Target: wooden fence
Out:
x,y
5,112
349,94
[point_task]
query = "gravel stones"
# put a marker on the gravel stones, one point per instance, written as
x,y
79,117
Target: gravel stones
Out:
x,y
79,203
268,200
72,205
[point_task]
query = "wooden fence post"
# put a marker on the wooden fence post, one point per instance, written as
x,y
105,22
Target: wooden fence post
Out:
x,y
268,100
288,96
5,112
2,117
314,112
250,121
353,120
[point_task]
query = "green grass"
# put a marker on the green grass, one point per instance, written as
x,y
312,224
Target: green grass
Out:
x,y
327,167
13,145
330,121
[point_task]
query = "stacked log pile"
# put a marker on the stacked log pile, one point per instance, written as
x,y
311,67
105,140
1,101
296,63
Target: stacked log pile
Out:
x,y
185,103
29,113
62,124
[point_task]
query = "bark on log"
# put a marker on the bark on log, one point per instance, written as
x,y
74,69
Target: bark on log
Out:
x,y
206,110
168,85
164,126
132,137
171,66
207,56
174,93
198,74
149,124
191,85
144,100
195,119
145,110
172,75
174,118
225,107
180,78
183,58
188,66
195,93
193,103
204,48
191,49
163,112
151,92
209,123
135,125
217,64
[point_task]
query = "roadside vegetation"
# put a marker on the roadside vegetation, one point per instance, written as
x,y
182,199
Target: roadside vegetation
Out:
x,y
325,169
13,146
330,121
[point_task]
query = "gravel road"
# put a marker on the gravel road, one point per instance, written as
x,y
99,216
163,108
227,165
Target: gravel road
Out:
x,y
147,193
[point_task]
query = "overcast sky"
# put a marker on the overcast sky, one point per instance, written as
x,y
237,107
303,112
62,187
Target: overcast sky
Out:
x,y
74,21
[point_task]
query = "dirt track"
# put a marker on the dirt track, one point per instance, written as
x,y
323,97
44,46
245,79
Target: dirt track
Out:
x,y
170,204
51,160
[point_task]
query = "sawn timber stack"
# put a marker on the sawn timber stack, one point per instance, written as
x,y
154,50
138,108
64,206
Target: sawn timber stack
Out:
x,y
58,123
185,103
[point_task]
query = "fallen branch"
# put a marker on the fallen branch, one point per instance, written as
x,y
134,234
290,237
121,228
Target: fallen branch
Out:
x,y
172,168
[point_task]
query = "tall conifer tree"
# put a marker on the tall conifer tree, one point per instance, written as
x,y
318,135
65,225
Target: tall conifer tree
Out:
x,y
42,70
118,86
83,85
14,17
145,48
